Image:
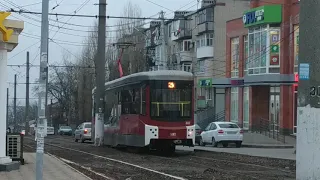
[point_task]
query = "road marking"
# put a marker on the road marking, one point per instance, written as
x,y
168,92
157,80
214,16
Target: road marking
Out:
x,y
122,162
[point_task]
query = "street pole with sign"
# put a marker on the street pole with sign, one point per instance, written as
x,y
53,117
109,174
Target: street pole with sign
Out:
x,y
42,121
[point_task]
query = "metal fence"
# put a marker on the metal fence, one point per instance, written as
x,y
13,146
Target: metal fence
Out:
x,y
203,118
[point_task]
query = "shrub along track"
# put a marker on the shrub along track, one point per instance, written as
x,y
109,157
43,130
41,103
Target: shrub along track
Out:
x,y
188,165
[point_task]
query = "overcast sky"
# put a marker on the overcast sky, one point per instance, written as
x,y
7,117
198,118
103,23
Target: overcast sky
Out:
x,y
70,35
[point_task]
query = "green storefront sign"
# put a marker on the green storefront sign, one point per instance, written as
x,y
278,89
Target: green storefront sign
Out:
x,y
268,14
205,82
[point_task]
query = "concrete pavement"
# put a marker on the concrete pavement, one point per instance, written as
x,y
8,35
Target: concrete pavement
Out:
x,y
54,169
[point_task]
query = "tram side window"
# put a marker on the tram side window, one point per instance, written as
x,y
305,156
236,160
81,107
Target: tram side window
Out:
x,y
136,101
126,101
130,101
143,101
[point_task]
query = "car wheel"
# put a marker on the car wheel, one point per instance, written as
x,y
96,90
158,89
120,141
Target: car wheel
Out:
x,y
214,143
82,140
75,139
201,143
225,145
238,144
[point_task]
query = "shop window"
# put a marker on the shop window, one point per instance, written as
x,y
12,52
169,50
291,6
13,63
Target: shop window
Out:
x,y
257,50
245,54
234,104
235,57
246,108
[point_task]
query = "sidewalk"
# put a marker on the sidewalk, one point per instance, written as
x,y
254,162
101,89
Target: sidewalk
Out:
x,y
53,169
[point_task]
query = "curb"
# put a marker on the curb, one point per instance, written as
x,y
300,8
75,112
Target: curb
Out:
x,y
268,146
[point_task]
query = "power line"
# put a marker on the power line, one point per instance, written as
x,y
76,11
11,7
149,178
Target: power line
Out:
x,y
94,16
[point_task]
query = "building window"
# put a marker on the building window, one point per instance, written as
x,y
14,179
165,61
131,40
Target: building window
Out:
x,y
205,40
169,30
257,60
205,15
246,108
245,54
296,47
235,57
208,91
185,45
187,67
234,104
201,66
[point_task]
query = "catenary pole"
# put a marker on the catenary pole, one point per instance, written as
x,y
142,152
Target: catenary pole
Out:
x,y
163,56
42,121
26,116
308,111
100,75
7,117
15,102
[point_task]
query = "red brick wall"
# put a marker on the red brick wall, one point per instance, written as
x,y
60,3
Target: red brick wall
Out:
x,y
259,103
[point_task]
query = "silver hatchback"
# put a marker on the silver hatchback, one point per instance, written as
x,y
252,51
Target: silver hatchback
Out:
x,y
83,132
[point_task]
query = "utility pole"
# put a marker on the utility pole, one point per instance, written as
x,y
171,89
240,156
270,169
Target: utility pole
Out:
x,y
163,56
26,116
100,75
307,153
15,102
42,103
51,112
7,117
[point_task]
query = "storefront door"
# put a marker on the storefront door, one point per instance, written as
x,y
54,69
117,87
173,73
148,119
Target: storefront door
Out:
x,y
274,109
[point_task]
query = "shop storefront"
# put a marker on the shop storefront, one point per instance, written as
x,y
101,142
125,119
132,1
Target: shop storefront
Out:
x,y
267,66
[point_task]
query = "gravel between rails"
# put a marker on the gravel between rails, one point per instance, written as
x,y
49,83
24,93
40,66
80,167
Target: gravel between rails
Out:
x,y
189,165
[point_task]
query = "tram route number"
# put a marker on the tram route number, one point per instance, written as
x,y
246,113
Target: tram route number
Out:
x,y
315,91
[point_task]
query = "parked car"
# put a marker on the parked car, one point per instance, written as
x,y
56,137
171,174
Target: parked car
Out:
x,y
83,132
198,133
65,130
222,132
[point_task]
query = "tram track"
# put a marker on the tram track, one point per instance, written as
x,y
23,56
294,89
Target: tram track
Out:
x,y
181,165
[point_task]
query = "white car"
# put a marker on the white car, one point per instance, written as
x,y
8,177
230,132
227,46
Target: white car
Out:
x,y
222,132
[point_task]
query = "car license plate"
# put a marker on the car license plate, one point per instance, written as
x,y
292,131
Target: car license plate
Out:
x,y
231,132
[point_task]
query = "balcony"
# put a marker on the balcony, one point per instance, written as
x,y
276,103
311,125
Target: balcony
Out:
x,y
205,52
182,35
205,27
185,56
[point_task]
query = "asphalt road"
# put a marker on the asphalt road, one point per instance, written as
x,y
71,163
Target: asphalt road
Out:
x,y
117,164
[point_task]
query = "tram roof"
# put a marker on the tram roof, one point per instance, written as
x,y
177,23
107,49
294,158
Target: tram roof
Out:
x,y
150,75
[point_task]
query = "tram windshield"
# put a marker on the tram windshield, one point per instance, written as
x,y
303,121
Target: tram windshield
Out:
x,y
171,100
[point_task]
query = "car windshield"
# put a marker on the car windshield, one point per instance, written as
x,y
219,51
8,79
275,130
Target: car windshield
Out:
x,y
228,125
87,125
65,127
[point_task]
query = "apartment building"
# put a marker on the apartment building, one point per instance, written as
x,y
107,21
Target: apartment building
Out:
x,y
196,42
262,66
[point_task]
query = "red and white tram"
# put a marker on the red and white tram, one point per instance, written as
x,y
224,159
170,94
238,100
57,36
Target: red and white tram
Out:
x,y
151,109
